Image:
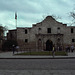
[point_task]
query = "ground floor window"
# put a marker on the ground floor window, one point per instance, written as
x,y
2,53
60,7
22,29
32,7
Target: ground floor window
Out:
x,y
26,40
73,40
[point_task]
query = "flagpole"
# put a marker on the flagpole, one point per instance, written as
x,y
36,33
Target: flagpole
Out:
x,y
16,24
16,19
16,28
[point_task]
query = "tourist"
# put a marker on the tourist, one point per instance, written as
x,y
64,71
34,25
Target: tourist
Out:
x,y
53,51
72,48
13,46
17,48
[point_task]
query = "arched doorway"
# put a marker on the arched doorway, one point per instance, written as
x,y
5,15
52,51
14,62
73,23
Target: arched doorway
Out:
x,y
49,45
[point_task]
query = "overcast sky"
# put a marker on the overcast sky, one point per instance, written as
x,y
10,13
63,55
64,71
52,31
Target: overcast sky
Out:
x,y
33,11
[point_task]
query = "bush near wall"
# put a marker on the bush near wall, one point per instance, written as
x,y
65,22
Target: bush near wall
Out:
x,y
58,53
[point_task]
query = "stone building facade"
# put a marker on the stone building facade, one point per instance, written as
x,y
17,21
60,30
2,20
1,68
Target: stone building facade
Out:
x,y
45,35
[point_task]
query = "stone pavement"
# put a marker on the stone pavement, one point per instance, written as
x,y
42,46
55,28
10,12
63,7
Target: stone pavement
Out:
x,y
10,55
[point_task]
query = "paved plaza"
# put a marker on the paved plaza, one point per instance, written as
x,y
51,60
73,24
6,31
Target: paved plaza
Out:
x,y
10,55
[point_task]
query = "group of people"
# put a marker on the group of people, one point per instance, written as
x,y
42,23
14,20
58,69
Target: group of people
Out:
x,y
67,49
70,48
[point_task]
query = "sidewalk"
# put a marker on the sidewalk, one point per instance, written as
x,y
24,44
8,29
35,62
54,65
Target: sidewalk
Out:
x,y
9,55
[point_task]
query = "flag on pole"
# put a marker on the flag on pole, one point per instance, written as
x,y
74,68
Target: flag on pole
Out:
x,y
16,16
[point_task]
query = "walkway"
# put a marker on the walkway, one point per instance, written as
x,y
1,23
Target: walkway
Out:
x,y
10,55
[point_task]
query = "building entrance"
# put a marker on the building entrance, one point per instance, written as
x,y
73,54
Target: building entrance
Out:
x,y
49,45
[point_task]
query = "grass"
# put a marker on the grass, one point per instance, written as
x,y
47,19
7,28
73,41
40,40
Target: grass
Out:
x,y
61,53
57,53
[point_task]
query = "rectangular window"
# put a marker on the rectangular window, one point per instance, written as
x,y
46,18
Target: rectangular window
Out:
x,y
73,40
26,40
48,30
71,30
25,31
58,30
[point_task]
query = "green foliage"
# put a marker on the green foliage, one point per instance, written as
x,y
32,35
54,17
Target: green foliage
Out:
x,y
2,30
58,53
7,45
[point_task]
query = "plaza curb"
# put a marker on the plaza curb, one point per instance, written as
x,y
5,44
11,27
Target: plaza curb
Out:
x,y
39,58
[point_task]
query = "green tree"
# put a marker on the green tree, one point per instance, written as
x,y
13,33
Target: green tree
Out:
x,y
2,30
7,45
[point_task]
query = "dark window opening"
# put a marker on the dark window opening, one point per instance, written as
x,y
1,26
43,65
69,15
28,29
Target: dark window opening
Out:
x,y
58,27
58,39
39,39
39,28
58,30
73,40
48,30
25,31
71,30
26,40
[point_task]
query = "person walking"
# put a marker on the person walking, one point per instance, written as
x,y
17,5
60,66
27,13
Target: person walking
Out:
x,y
53,51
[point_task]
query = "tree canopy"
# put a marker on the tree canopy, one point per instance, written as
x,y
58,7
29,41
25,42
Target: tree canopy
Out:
x,y
2,29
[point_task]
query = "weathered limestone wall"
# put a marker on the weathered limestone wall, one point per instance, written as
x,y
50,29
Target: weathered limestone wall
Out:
x,y
38,35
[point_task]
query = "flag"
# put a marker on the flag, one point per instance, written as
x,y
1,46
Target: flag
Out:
x,y
16,16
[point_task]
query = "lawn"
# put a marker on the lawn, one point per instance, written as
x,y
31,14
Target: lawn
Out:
x,y
57,53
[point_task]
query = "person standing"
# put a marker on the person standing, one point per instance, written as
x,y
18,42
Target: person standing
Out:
x,y
17,48
72,48
13,46
53,51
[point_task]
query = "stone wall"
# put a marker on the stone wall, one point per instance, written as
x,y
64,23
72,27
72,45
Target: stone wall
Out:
x,y
38,32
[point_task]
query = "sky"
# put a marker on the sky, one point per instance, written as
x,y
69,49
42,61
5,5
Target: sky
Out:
x,y
33,11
